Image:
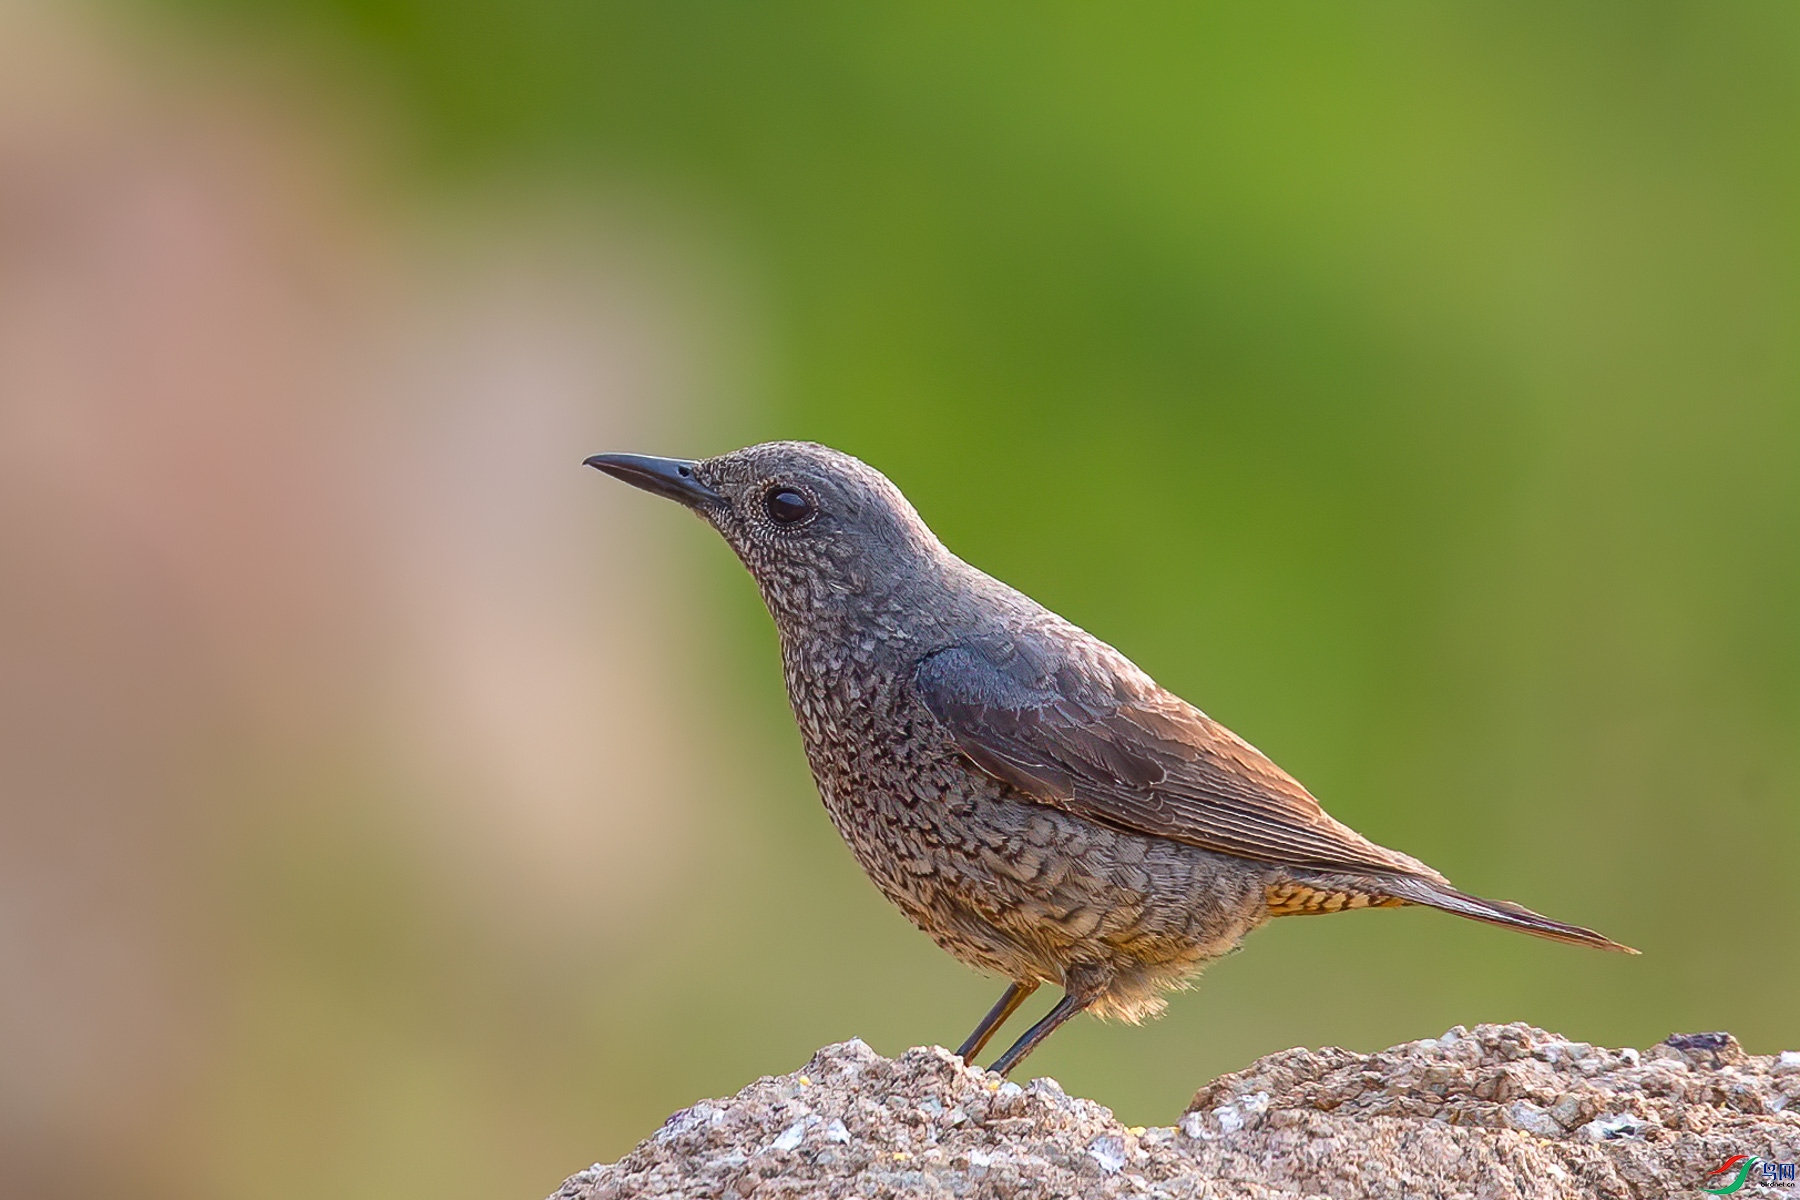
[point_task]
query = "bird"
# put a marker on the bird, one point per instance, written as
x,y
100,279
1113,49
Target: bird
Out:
x,y
1023,792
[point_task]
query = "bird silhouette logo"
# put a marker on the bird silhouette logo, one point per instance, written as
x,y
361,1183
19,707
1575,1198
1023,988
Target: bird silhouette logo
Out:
x,y
1743,1164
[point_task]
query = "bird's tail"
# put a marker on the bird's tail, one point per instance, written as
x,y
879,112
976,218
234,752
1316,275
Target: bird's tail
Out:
x,y
1411,890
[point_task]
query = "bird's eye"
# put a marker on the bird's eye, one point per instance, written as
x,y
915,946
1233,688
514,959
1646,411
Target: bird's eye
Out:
x,y
785,506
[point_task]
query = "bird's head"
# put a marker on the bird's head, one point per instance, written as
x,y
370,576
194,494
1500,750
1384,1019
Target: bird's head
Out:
x,y
815,526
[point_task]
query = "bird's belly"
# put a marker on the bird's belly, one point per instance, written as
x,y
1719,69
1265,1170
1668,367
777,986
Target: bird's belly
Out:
x,y
1023,890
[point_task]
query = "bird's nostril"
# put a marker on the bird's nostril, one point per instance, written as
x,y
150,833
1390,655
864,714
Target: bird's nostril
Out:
x,y
686,472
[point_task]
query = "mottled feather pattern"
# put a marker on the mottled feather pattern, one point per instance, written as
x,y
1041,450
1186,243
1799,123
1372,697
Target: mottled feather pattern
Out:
x,y
1022,791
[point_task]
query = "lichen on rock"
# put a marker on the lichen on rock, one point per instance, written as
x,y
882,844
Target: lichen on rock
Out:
x,y
1499,1111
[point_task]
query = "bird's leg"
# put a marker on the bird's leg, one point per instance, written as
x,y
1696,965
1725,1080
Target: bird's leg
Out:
x,y
997,1016
1065,1008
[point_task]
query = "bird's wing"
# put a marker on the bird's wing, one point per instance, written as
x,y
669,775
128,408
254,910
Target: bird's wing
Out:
x,y
1117,749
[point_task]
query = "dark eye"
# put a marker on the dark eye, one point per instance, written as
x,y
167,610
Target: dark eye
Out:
x,y
786,506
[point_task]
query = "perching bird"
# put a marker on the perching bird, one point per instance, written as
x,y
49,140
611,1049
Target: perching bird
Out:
x,y
1020,789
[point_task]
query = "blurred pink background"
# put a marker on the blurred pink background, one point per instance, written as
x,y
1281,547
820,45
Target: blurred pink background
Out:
x,y
306,596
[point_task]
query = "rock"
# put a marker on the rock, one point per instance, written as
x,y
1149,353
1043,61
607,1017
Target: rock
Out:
x,y
1506,1112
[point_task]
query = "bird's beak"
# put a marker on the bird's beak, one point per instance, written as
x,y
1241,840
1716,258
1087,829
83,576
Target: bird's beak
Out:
x,y
670,478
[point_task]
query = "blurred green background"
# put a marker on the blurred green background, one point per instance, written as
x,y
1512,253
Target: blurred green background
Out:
x,y
397,808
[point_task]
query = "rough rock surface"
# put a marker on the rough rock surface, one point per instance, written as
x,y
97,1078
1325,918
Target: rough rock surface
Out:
x,y
1497,1112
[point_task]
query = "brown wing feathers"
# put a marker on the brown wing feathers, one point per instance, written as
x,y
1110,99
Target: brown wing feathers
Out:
x,y
1152,765
1149,762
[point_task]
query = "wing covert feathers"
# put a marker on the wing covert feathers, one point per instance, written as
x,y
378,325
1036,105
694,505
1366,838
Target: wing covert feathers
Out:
x,y
1121,751
1099,739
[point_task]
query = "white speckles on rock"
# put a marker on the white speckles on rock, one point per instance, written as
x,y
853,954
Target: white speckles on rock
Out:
x,y
789,1138
846,1058
1606,1129
1523,1114
1481,1114
1108,1150
688,1120
1240,1111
